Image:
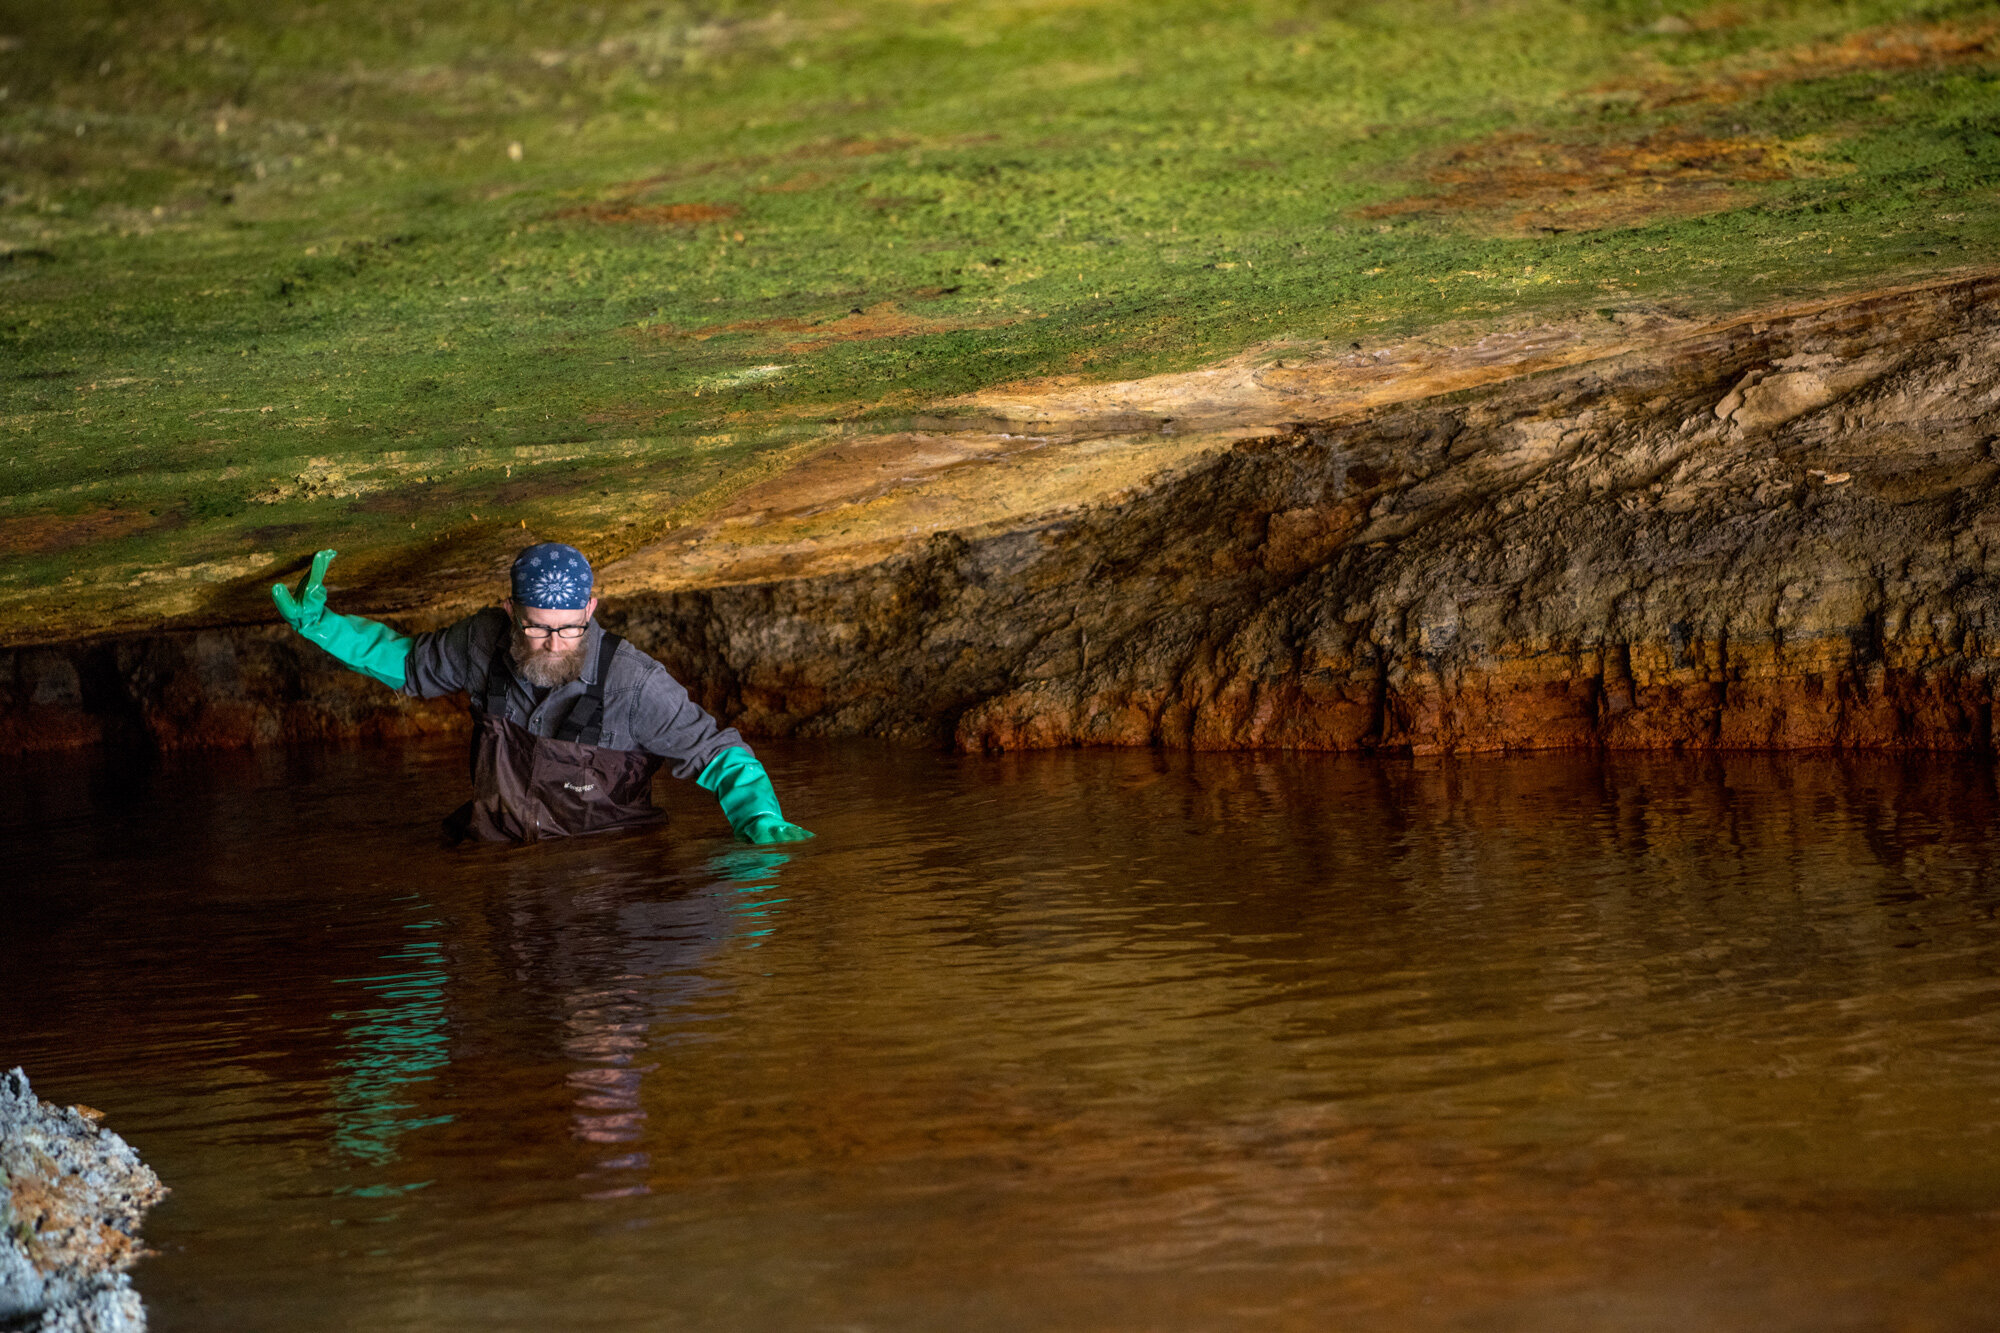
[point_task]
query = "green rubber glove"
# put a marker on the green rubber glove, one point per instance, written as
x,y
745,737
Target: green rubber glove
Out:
x,y
361,645
743,789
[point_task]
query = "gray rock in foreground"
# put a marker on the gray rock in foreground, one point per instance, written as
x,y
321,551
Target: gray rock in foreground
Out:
x,y
72,1196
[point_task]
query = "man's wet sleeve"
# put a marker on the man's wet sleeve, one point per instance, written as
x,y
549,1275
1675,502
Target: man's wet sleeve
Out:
x,y
451,659
667,723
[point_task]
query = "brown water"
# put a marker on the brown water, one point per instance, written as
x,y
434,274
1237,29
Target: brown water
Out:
x,y
1063,1041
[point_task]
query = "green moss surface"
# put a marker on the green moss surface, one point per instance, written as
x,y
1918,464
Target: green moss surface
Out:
x,y
405,277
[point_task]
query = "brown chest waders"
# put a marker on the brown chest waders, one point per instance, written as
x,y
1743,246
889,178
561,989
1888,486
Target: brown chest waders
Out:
x,y
527,787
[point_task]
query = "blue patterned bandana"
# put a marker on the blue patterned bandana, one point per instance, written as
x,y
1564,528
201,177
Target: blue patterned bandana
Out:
x,y
552,577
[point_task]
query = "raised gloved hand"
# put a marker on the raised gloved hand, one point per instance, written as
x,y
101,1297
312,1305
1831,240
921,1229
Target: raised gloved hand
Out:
x,y
361,645
743,789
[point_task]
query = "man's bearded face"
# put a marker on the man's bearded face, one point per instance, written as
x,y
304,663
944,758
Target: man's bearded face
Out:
x,y
547,662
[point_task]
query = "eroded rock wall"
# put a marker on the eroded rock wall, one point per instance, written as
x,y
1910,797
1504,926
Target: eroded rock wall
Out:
x,y
1778,534
202,689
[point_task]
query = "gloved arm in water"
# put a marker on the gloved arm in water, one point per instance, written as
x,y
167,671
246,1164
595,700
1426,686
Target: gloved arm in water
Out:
x,y
361,645
748,803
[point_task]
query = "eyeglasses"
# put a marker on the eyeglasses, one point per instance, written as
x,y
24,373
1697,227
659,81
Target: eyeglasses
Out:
x,y
567,633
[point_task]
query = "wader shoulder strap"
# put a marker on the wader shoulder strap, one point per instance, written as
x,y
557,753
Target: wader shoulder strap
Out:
x,y
499,680
585,722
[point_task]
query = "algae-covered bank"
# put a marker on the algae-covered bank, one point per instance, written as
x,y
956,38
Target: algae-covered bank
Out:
x,y
1337,375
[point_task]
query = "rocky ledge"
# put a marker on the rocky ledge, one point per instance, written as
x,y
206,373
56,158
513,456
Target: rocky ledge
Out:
x,y
1774,531
71,1199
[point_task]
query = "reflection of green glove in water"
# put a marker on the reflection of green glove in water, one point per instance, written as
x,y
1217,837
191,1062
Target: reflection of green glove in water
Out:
x,y
361,645
748,803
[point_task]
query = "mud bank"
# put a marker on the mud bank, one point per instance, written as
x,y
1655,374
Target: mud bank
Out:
x,y
1774,532
72,1196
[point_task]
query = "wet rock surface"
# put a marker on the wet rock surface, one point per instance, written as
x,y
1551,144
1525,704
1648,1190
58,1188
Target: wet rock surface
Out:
x,y
1772,532
205,689
72,1196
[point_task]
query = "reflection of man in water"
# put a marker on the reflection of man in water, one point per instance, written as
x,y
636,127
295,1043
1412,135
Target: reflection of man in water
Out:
x,y
572,721
626,959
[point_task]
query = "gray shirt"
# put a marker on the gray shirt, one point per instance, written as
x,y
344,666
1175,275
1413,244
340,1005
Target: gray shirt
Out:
x,y
644,707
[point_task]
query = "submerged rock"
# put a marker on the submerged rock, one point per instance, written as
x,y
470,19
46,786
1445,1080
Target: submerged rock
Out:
x,y
72,1196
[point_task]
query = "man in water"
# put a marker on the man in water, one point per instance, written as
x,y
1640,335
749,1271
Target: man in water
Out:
x,y
571,721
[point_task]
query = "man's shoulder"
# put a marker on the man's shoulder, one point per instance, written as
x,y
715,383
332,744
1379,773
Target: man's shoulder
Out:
x,y
484,630
488,617
633,668
486,624
455,656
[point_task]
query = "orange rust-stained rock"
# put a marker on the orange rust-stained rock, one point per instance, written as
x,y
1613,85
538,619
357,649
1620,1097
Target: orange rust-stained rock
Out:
x,y
670,215
62,532
1892,46
1522,184
1512,705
